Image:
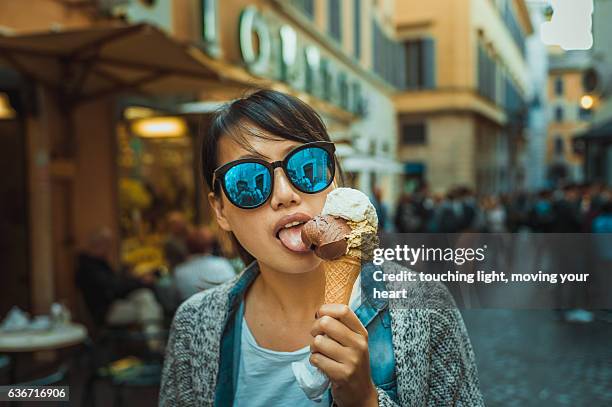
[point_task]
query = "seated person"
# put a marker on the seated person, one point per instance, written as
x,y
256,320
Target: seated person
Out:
x,y
114,299
202,270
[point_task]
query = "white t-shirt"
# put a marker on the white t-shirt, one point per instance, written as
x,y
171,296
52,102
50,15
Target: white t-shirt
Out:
x,y
265,377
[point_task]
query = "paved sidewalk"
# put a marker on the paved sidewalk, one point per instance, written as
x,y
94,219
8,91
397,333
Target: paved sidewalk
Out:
x,y
527,358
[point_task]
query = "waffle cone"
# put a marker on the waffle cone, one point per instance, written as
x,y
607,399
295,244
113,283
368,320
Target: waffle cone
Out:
x,y
340,275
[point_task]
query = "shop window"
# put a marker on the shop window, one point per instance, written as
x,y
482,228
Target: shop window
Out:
x,y
156,177
420,63
559,86
559,114
334,20
414,134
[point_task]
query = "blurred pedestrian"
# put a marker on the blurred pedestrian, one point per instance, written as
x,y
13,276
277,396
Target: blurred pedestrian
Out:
x,y
201,270
566,210
495,215
413,212
114,299
447,214
406,220
541,215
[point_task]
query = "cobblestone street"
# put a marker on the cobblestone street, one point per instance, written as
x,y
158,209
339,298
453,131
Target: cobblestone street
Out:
x,y
528,358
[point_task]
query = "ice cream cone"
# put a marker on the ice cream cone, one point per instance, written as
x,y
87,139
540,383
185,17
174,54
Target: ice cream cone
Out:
x,y
340,275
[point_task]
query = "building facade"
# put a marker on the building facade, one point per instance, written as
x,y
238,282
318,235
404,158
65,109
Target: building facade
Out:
x,y
462,86
596,142
571,109
126,157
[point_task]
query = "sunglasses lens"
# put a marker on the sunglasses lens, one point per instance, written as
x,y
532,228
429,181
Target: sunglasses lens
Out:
x,y
310,169
247,184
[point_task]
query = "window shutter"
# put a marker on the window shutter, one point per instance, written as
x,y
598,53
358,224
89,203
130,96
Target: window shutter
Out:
x,y
412,62
400,57
429,59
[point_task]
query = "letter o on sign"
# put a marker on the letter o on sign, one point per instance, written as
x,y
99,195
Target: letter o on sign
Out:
x,y
251,24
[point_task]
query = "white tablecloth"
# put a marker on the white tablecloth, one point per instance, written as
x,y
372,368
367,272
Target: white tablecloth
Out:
x,y
32,341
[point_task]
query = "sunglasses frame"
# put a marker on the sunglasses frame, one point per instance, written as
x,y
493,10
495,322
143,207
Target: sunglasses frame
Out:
x,y
219,173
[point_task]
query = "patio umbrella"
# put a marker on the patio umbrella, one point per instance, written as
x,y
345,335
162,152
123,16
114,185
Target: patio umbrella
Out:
x,y
83,64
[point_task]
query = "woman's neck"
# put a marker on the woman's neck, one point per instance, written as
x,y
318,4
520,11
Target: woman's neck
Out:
x,y
290,297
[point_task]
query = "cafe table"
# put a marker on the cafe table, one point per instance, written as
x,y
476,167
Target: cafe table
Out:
x,y
24,341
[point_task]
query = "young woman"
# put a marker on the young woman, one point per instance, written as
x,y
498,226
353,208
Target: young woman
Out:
x,y
233,345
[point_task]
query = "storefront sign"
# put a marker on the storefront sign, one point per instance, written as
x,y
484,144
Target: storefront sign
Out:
x,y
210,33
257,58
274,50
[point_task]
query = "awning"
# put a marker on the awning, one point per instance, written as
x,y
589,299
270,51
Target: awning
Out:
x,y
368,163
87,63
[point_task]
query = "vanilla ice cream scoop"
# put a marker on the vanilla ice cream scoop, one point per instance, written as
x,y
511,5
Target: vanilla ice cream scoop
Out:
x,y
350,204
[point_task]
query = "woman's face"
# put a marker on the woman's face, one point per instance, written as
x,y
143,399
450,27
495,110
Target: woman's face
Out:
x,y
255,228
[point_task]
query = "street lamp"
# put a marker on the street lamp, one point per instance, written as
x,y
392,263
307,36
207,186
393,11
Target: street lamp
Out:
x,y
587,102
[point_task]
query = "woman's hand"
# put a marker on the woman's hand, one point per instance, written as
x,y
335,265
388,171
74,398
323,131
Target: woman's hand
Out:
x,y
340,350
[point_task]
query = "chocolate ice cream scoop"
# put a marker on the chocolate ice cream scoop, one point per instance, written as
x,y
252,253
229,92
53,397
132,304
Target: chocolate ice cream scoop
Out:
x,y
328,236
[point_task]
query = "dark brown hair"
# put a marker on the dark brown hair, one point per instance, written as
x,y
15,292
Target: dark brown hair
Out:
x,y
265,114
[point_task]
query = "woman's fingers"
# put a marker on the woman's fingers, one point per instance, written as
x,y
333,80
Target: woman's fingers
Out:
x,y
338,373
334,329
341,324
345,315
337,331
330,348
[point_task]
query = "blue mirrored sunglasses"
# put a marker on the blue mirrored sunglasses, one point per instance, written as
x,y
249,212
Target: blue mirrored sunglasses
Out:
x,y
249,182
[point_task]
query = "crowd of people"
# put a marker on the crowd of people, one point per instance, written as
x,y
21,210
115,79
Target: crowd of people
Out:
x,y
584,209
571,209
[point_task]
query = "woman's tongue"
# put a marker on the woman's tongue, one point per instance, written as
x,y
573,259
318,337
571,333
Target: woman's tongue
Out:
x,y
291,238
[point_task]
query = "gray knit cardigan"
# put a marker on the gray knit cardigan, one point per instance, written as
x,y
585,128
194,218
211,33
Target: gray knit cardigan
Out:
x,y
433,355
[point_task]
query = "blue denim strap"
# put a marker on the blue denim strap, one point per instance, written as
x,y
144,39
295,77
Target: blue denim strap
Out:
x,y
229,358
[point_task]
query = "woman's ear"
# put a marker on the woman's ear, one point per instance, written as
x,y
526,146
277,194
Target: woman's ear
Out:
x,y
217,206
